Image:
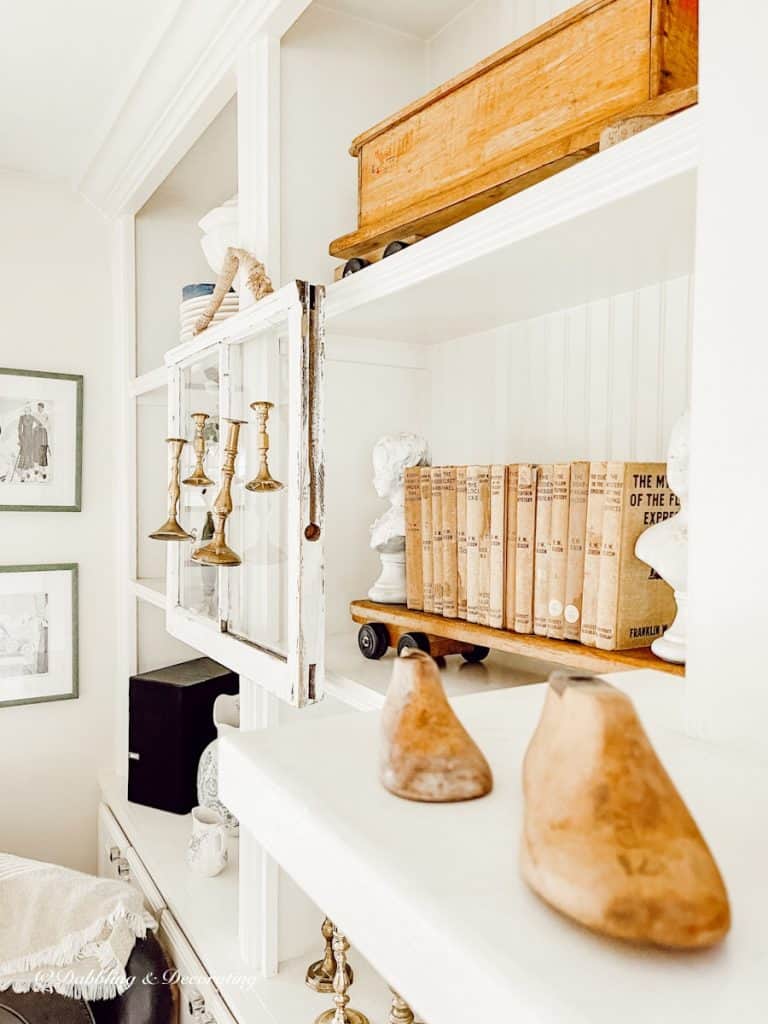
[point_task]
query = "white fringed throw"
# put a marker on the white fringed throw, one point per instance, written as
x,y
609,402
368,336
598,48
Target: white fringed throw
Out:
x,y
66,932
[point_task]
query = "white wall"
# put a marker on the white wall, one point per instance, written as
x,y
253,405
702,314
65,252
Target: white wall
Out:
x,y
483,27
728,695
168,252
56,316
339,76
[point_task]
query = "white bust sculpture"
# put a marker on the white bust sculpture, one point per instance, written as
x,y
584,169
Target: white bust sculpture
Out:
x,y
392,455
665,546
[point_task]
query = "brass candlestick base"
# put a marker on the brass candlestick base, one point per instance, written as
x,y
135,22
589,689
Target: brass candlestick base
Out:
x,y
350,1017
400,1012
321,973
218,552
171,530
199,477
263,481
341,1014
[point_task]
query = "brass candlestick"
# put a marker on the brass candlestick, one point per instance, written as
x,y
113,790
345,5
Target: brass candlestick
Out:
x,y
400,1012
320,974
198,477
342,1013
171,530
263,481
217,552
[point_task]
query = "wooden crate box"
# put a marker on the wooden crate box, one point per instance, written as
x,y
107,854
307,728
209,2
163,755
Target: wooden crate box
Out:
x,y
522,114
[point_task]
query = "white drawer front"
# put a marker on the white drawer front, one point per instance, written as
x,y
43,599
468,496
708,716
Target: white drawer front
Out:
x,y
200,1001
113,846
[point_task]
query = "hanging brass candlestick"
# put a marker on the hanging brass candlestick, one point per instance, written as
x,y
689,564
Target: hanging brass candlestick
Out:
x,y
321,973
217,552
263,481
170,530
198,477
342,1013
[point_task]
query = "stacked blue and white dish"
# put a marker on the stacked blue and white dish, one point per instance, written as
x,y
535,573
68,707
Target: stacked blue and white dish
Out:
x,y
194,302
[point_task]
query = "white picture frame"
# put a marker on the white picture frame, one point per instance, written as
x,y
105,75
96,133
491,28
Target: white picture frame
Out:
x,y
39,657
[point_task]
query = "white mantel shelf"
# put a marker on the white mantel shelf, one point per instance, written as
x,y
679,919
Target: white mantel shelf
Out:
x,y
431,894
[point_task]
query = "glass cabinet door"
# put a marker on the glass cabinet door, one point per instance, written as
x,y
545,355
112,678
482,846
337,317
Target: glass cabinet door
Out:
x,y
199,415
248,589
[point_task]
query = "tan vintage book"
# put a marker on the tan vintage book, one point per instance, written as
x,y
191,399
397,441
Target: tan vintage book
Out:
x,y
414,585
449,544
478,543
577,526
541,550
510,562
593,542
557,560
497,546
437,539
461,541
526,539
634,604
427,553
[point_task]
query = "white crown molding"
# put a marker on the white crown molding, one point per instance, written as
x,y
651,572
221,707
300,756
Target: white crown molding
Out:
x,y
186,78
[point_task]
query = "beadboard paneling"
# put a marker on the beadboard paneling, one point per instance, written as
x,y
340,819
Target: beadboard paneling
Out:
x,y
604,380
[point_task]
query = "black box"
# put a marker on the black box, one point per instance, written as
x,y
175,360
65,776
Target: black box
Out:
x,y
170,725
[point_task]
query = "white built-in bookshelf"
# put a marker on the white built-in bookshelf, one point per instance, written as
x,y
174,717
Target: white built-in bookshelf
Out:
x,y
554,326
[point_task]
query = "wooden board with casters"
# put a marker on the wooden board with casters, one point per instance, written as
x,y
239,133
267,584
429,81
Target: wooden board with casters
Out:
x,y
390,625
530,110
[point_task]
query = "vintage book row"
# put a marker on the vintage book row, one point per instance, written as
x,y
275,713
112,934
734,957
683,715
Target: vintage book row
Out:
x,y
543,549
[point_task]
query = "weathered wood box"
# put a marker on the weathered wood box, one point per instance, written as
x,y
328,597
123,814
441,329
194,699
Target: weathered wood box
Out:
x,y
522,114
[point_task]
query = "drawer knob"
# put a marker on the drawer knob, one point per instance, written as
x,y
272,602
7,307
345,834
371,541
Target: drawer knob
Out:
x,y
197,1009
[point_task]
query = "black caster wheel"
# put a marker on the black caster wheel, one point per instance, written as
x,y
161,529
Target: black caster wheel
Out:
x,y
373,640
394,247
354,265
476,654
419,641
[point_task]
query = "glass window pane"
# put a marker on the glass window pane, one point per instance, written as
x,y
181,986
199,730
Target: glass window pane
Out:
x,y
258,527
199,413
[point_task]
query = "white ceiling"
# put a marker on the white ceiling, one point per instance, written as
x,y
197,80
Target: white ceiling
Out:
x,y
421,18
64,66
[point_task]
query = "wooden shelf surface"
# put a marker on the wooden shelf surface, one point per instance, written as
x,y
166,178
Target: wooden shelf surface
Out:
x,y
559,652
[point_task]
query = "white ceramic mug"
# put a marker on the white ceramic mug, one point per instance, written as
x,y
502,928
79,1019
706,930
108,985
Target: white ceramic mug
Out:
x,y
207,849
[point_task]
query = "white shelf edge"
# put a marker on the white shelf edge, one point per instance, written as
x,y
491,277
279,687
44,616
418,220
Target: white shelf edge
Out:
x,y
267,312
145,590
382,876
153,380
352,693
664,151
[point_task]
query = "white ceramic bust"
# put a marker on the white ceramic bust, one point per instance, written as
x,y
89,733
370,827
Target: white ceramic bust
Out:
x,y
665,546
392,455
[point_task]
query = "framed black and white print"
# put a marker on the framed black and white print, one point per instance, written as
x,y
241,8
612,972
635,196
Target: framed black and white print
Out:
x,y
38,633
41,441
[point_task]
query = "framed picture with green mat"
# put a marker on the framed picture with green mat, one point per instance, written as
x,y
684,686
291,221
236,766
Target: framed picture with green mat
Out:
x,y
41,441
38,633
